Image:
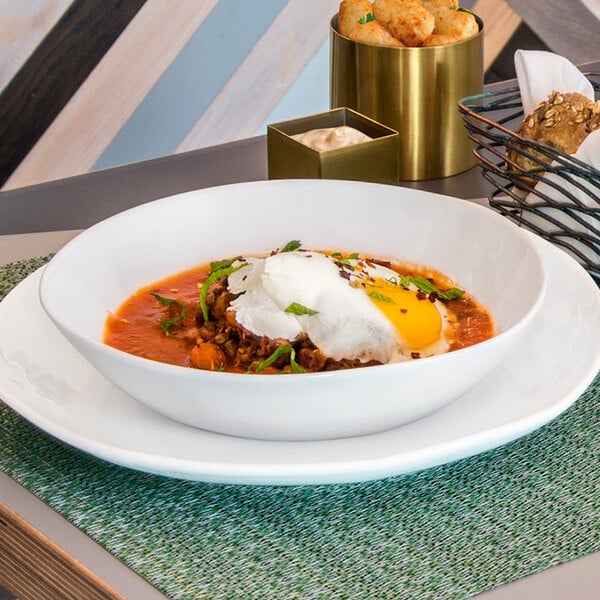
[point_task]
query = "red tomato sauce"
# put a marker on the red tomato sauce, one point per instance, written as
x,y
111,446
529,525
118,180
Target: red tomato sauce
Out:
x,y
135,327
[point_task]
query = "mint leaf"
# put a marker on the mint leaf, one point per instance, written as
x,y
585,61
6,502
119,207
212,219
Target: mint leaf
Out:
x,y
461,9
379,296
298,309
291,246
223,264
427,287
367,18
215,276
280,351
166,324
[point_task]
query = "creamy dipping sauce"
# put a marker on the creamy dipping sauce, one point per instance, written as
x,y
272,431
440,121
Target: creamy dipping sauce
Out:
x,y
330,138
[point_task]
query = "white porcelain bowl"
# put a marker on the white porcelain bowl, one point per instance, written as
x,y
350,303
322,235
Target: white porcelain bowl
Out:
x,y
482,251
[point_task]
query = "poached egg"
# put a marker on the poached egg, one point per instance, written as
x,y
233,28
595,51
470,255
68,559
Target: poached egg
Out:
x,y
350,308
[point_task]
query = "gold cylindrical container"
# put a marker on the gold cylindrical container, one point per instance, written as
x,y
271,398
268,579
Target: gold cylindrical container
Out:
x,y
414,91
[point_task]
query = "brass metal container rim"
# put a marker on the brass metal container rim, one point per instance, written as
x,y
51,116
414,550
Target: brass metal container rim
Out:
x,y
385,130
404,49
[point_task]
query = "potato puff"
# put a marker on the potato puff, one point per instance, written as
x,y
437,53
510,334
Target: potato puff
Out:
x,y
456,25
351,12
439,39
407,20
374,32
434,4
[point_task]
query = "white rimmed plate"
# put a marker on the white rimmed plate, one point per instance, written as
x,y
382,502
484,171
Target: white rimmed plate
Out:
x,y
45,380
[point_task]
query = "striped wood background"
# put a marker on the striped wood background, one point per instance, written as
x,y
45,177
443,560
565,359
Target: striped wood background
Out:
x,y
90,84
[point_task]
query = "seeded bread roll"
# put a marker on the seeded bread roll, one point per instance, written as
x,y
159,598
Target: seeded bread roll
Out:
x,y
562,121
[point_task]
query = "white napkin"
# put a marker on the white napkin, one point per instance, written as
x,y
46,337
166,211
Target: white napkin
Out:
x,y
539,74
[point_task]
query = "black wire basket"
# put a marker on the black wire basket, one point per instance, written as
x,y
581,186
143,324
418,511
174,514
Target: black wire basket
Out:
x,y
559,199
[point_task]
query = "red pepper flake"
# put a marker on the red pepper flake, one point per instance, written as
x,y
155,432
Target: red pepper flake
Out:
x,y
421,295
404,310
415,355
383,263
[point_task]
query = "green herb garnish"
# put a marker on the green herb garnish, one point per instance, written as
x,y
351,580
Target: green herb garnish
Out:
x,y
353,256
423,284
215,275
223,264
166,324
291,246
367,18
427,287
451,294
461,9
280,351
298,309
379,296
344,261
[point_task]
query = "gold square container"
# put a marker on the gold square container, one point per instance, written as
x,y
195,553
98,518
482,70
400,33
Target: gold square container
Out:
x,y
375,160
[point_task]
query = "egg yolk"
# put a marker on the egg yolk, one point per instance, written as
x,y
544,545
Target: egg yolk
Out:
x,y
417,321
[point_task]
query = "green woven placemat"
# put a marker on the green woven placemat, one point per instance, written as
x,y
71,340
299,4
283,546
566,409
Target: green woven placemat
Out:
x,y
448,532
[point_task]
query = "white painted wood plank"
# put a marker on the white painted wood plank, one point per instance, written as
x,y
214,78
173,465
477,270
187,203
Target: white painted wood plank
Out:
x,y
23,25
112,92
264,76
593,6
500,22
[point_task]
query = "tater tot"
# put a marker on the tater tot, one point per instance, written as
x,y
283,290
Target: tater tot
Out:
x,y
374,32
456,24
439,39
350,14
433,4
407,20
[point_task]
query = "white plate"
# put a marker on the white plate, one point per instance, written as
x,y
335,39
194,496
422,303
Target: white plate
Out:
x,y
45,380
